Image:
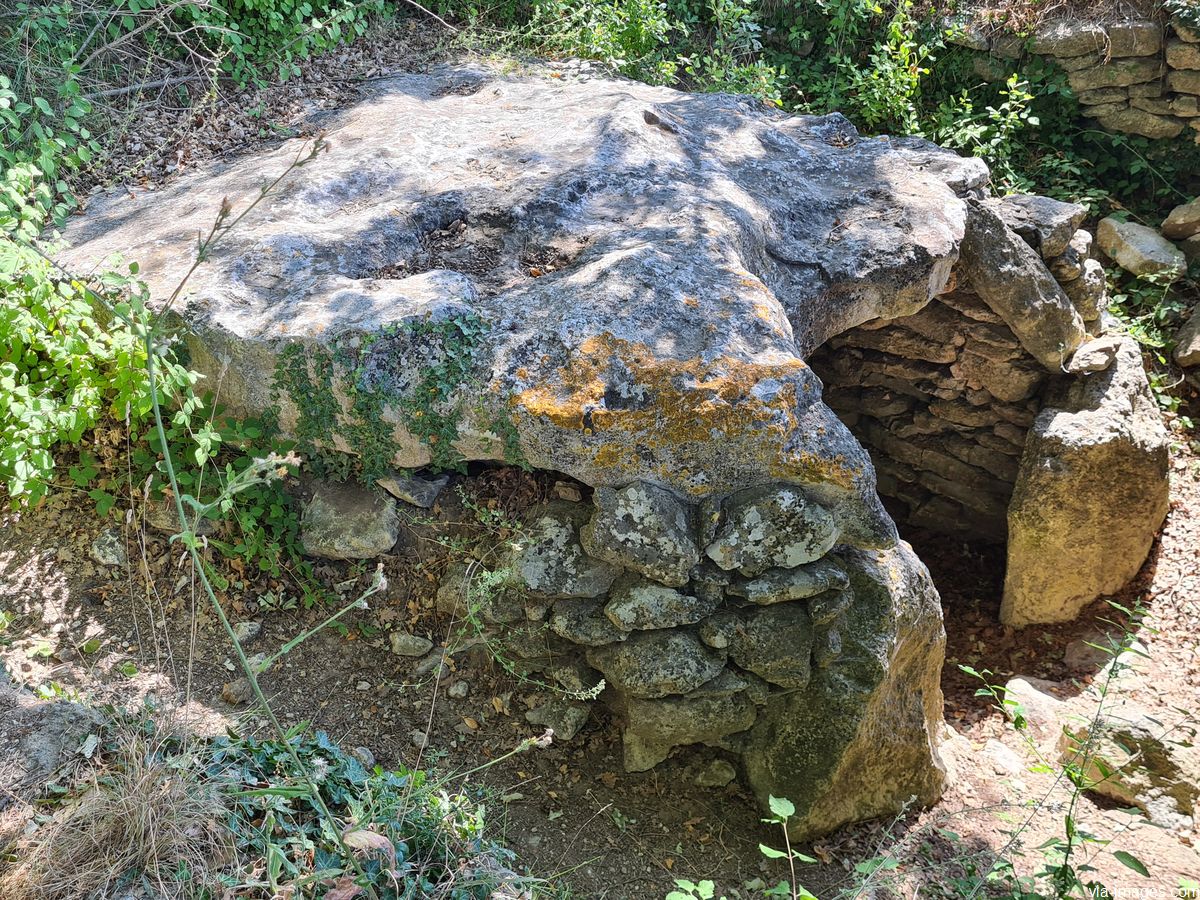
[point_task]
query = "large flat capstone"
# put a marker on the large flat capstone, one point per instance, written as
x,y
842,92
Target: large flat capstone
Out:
x,y
616,281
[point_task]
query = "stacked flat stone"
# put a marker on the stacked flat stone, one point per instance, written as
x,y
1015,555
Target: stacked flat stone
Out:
x,y
719,623
944,398
991,414
692,614
1135,77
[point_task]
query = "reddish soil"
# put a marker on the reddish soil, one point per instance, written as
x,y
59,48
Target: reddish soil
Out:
x,y
569,811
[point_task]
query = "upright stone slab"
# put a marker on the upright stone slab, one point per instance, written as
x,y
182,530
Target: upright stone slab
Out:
x,y
1091,493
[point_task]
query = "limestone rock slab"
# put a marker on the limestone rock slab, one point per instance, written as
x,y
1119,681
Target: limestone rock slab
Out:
x,y
880,749
699,247
719,708
1140,250
782,585
1011,278
1090,495
347,521
1047,225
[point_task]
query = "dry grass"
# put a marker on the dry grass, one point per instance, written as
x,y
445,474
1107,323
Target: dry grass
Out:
x,y
1024,15
142,814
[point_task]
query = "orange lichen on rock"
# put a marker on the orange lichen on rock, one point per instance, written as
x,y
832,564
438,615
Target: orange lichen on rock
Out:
x,y
673,403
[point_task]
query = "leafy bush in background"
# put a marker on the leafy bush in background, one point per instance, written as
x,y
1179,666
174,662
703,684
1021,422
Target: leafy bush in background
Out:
x,y
72,353
69,359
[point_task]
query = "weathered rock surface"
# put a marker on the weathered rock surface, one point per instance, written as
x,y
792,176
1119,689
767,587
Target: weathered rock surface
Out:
x,y
780,585
1183,221
347,521
551,561
1077,530
885,686
1094,356
583,622
1046,225
715,710
644,528
1135,758
1187,341
1011,278
1068,38
690,251
1087,292
419,490
770,527
1140,250
639,604
653,664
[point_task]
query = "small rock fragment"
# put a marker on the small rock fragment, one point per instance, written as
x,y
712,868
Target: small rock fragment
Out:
x,y
1004,760
237,692
459,690
406,644
564,490
419,490
1094,356
565,717
1187,341
1040,710
716,774
245,632
108,548
1183,221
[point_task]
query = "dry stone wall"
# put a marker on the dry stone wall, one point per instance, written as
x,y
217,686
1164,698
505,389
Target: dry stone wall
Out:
x,y
1136,76
736,623
944,398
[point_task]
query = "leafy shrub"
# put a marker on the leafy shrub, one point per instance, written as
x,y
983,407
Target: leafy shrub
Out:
x,y
69,358
250,34
408,835
628,35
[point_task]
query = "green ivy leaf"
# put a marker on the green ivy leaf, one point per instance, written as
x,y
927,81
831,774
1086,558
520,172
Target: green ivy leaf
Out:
x,y
1132,862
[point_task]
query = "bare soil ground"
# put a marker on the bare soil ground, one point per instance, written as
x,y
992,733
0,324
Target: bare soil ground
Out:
x,y
120,636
